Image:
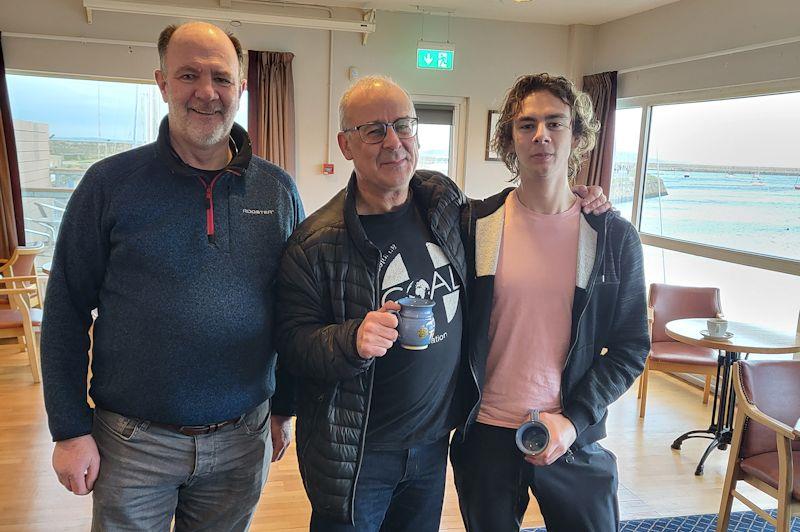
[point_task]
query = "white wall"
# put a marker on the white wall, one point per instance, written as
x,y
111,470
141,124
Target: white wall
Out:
x,y
489,56
692,28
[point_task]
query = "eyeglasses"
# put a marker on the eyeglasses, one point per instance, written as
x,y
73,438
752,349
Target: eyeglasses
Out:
x,y
375,132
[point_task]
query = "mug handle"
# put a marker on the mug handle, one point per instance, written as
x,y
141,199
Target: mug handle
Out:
x,y
396,313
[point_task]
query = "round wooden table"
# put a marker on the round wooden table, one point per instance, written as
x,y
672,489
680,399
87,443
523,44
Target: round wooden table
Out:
x,y
747,338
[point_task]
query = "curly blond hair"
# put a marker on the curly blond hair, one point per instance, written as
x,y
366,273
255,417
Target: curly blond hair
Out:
x,y
584,125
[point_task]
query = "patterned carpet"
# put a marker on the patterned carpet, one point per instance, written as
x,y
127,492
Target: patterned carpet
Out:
x,y
740,522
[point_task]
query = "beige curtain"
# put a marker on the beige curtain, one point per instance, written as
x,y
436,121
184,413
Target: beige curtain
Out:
x,y
270,107
12,231
602,89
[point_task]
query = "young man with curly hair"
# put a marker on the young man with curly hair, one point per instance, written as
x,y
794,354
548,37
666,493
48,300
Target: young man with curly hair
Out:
x,y
557,323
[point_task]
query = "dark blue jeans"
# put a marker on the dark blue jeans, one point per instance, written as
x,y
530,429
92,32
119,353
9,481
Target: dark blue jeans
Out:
x,y
397,491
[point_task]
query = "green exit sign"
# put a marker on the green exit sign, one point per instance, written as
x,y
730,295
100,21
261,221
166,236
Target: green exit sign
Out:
x,y
431,59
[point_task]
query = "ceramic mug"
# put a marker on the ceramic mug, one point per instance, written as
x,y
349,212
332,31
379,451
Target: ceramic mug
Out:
x,y
717,327
532,436
416,325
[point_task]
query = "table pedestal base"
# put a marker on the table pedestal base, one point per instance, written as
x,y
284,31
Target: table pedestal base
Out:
x,y
720,430
719,440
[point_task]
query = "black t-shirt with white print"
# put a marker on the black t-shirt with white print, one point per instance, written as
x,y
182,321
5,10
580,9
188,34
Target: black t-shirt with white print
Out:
x,y
413,394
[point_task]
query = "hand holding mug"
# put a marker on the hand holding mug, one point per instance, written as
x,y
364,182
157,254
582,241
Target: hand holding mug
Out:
x,y
377,332
562,436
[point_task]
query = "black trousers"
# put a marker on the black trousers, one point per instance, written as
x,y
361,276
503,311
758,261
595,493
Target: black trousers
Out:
x,y
578,494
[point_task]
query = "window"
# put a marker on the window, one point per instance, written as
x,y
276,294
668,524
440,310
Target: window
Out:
x,y
63,126
719,200
435,135
626,147
726,173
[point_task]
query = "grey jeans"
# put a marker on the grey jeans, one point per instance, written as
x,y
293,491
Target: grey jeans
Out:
x,y
150,473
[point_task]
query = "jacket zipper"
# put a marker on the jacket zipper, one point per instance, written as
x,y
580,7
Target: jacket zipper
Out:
x,y
363,442
601,264
470,349
209,187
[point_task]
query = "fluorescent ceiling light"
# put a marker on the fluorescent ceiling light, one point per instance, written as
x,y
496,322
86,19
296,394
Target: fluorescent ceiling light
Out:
x,y
142,8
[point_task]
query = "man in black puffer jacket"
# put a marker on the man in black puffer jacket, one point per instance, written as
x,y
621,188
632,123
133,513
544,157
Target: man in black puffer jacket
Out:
x,y
391,233
373,418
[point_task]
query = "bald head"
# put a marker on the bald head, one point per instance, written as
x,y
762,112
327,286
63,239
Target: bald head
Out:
x,y
369,87
199,30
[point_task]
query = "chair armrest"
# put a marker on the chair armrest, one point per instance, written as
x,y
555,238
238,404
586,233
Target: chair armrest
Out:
x,y
25,290
752,411
771,423
18,279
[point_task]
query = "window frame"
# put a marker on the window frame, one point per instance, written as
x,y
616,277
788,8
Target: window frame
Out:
x,y
646,103
458,133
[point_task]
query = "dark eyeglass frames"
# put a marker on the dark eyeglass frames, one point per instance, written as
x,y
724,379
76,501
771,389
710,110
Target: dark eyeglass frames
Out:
x,y
375,132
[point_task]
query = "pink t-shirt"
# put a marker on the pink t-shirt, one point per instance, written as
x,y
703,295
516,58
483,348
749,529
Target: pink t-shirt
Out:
x,y
529,331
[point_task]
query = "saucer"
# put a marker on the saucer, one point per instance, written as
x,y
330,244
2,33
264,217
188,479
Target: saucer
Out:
x,y
728,335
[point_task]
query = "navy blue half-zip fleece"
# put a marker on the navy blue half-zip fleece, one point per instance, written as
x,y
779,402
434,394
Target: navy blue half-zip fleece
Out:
x,y
185,328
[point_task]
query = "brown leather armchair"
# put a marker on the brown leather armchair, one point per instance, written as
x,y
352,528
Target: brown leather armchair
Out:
x,y
766,431
670,302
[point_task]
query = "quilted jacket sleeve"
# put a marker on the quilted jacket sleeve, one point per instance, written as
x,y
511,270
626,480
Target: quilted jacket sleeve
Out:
x,y
309,344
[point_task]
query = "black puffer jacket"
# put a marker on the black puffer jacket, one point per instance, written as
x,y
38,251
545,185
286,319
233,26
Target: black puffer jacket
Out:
x,y
328,282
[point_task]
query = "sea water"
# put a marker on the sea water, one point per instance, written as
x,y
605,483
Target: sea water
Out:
x,y
755,213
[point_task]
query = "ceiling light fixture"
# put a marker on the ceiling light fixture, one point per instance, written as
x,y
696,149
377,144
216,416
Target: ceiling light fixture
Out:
x,y
225,15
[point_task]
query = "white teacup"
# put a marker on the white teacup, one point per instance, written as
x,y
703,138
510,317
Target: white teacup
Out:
x,y
717,327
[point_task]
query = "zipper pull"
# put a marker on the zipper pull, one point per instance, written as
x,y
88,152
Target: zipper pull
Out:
x,y
569,458
210,215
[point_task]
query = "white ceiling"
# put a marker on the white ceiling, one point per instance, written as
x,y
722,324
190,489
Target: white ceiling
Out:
x,y
563,12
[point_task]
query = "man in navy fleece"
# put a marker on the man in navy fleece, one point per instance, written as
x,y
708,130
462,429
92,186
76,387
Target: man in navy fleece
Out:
x,y
176,244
